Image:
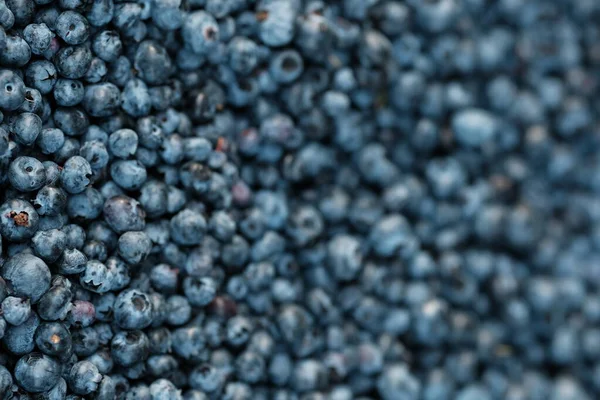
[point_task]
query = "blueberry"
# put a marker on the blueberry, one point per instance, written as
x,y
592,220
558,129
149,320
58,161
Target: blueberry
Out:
x,y
398,383
123,213
187,227
56,303
38,37
6,382
72,27
26,127
72,62
97,71
164,389
16,53
50,140
75,175
276,23
101,100
84,378
53,339
95,153
12,89
250,367
188,342
4,141
200,32
37,372
474,127
167,14
243,55
153,63
133,310
286,66
199,291
206,378
73,122
41,75
16,310
238,330
180,310
345,257
8,18
68,92
96,277
134,246
26,174
154,198
28,276
81,314
49,245
391,235
19,339
136,98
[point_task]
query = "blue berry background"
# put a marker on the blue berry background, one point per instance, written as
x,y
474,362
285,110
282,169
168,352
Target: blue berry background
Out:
x,y
299,199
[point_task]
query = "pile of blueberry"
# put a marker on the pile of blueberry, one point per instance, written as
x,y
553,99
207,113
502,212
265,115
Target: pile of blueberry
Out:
x,y
299,199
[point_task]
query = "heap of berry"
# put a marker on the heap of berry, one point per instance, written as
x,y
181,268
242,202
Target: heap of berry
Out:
x,y
299,199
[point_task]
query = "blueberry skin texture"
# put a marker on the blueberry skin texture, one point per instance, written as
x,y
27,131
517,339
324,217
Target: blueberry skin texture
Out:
x,y
72,27
276,23
187,227
16,310
18,220
154,198
286,66
49,244
73,62
136,98
75,176
41,75
26,127
474,127
134,246
128,174
19,339
53,339
133,310
12,89
84,378
16,52
107,45
68,92
23,11
26,174
28,275
4,142
153,63
6,382
38,37
50,140
200,32
86,205
101,100
56,303
199,291
7,19
50,201
123,213
73,122
129,348
164,389
96,154
37,372
345,257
